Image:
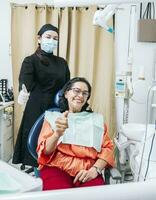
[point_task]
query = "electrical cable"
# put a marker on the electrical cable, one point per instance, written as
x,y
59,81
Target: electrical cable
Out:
x,y
145,137
149,157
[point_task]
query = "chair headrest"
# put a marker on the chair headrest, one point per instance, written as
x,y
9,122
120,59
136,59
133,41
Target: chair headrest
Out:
x,y
57,97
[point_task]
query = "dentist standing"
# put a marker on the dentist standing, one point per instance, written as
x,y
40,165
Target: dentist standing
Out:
x,y
42,74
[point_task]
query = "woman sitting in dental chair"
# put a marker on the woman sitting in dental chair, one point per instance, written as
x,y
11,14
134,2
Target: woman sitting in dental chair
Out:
x,y
74,145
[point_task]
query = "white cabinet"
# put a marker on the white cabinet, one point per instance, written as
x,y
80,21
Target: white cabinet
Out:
x,y
6,132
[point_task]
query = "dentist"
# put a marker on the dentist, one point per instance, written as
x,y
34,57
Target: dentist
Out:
x,y
42,74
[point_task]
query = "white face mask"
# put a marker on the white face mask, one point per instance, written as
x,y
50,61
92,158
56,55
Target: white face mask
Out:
x,y
48,45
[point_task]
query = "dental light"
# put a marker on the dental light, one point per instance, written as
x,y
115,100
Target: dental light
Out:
x,y
101,17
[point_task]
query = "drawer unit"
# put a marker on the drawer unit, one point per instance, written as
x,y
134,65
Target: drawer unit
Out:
x,y
6,134
7,150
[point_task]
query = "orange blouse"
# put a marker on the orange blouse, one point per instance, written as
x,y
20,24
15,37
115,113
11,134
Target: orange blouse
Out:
x,y
72,158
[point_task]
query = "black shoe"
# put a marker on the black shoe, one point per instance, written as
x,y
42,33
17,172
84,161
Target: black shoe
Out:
x,y
22,167
28,171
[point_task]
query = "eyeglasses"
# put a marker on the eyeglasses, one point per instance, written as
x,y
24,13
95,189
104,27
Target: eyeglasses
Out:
x,y
77,92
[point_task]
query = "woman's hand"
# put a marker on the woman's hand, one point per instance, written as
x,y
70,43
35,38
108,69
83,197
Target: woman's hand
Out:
x,y
86,175
61,124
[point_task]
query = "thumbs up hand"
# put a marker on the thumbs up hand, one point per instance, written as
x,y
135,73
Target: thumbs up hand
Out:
x,y
24,89
23,95
61,124
65,114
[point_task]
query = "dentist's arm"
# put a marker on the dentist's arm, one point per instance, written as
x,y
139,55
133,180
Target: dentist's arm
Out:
x,y
27,74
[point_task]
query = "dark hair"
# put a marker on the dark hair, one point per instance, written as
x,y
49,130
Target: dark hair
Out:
x,y
47,27
63,103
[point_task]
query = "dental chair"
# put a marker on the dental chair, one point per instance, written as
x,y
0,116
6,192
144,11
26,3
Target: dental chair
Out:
x,y
109,174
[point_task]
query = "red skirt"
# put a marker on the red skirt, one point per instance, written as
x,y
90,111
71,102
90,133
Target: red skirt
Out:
x,y
53,178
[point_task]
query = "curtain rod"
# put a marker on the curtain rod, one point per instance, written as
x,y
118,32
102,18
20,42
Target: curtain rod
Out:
x,y
15,5
27,4
36,2
75,3
72,3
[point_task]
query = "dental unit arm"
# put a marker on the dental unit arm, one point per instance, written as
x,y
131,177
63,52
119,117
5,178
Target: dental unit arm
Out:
x,y
101,17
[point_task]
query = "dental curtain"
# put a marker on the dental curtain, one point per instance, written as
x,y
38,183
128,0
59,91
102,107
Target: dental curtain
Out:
x,y
89,51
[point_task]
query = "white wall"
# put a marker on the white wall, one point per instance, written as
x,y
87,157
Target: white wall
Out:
x,y
5,35
143,54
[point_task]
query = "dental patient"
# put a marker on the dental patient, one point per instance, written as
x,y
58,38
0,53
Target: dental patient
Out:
x,y
74,146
